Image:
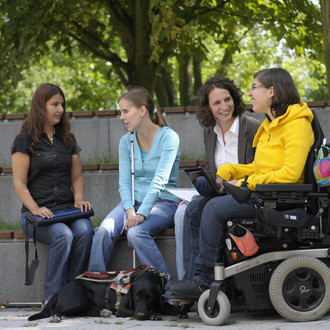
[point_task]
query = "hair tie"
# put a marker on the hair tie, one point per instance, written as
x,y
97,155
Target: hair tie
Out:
x,y
155,110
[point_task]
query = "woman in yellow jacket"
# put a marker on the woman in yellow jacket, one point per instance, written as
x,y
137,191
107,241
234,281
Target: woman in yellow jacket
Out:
x,y
283,142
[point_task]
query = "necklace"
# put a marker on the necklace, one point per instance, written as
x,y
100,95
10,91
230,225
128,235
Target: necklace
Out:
x,y
51,139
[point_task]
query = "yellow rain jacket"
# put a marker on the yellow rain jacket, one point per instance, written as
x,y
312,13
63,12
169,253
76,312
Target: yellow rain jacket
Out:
x,y
282,148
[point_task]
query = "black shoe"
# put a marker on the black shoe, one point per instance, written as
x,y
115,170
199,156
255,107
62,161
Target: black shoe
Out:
x,y
187,289
168,285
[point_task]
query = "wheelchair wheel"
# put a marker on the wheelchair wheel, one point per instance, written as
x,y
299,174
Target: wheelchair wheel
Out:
x,y
299,289
220,312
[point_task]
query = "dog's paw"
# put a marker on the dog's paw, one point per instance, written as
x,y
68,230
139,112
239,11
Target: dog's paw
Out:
x,y
182,316
105,313
56,319
155,317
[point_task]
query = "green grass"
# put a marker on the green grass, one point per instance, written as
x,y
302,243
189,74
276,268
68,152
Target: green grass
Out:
x,y
184,157
96,222
108,159
9,226
5,165
105,159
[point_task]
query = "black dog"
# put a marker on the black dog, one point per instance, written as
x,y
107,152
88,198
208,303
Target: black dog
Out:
x,y
82,297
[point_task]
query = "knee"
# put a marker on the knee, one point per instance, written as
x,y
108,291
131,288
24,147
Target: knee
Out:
x,y
179,215
100,233
135,236
66,237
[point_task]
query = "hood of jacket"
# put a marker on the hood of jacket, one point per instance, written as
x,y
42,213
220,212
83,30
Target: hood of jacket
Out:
x,y
295,111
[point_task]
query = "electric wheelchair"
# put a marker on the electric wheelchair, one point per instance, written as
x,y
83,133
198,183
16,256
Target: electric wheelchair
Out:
x,y
290,272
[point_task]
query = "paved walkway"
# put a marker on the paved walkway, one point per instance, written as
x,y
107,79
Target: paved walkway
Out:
x,y
16,318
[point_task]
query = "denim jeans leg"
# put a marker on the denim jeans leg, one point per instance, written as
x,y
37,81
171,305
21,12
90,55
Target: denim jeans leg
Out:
x,y
178,228
191,237
141,237
215,215
59,238
82,231
105,238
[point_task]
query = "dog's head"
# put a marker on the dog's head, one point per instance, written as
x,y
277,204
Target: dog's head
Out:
x,y
145,294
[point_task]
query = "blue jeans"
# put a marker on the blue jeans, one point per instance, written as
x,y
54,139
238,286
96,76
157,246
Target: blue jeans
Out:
x,y
140,238
191,236
69,248
179,250
213,222
186,237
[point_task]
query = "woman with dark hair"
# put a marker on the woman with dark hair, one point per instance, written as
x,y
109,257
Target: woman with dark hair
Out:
x,y
228,137
148,164
282,143
47,177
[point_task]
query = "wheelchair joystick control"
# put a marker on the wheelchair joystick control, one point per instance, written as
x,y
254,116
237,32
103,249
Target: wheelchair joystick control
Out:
x,y
244,183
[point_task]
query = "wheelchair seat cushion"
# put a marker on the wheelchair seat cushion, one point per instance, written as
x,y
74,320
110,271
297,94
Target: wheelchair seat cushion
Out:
x,y
270,222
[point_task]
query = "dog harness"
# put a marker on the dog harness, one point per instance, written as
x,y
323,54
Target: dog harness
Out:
x,y
118,280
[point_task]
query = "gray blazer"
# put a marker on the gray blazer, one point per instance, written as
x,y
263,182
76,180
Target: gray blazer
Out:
x,y
248,127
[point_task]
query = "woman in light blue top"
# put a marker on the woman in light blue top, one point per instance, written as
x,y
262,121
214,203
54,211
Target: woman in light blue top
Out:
x,y
146,208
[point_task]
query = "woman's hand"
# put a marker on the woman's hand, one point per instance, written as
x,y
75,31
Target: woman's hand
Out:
x,y
219,181
43,212
83,205
233,182
133,220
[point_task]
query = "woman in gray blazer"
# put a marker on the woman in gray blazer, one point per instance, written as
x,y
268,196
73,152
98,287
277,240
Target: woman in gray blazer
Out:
x,y
228,138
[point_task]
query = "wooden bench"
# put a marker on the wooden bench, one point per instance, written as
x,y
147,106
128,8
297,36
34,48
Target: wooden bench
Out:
x,y
11,234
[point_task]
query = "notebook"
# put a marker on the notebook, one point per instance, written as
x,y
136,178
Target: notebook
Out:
x,y
194,173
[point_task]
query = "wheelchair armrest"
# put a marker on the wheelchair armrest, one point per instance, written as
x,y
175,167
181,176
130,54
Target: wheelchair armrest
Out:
x,y
277,187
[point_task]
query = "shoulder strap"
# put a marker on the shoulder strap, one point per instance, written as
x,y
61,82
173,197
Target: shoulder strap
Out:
x,y
30,271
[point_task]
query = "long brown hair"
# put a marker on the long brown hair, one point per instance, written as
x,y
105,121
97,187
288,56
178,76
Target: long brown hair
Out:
x,y
285,90
139,96
35,122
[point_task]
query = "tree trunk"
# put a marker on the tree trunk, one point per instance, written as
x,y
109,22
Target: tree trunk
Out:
x,y
197,79
325,15
226,60
185,77
164,89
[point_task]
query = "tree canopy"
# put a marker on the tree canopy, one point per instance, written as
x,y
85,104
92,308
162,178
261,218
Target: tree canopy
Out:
x,y
140,42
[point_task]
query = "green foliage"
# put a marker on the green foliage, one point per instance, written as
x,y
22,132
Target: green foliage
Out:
x,y
96,49
88,83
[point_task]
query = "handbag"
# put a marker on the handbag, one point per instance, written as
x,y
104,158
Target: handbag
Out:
x,y
67,215
321,167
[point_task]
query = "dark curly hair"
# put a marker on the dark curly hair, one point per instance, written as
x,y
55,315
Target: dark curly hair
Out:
x,y
204,114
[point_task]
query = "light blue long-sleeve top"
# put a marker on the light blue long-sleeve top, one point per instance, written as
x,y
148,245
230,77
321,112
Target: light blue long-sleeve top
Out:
x,y
158,171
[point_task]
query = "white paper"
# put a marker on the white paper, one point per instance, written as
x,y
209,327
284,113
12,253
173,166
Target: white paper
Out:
x,y
185,194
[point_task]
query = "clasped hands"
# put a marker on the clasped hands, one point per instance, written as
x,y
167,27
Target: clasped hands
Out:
x,y
133,219
220,181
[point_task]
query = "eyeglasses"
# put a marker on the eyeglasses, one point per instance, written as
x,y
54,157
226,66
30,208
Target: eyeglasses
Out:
x,y
254,86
